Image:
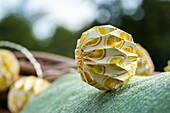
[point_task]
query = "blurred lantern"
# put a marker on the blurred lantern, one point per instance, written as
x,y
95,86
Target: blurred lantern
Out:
x,y
145,64
9,70
106,57
167,68
23,90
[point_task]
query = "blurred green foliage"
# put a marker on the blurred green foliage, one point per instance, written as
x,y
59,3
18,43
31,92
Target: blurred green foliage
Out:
x,y
152,32
17,30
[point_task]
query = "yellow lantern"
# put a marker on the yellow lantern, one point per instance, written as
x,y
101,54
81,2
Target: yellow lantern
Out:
x,y
106,57
145,64
167,68
9,70
23,90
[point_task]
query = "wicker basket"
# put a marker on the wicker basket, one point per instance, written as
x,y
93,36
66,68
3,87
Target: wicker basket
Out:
x,y
53,66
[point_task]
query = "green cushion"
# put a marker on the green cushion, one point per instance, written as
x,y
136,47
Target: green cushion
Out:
x,y
69,94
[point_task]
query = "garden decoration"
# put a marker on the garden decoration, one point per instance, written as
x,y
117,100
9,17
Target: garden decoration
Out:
x,y
24,89
167,68
9,71
106,57
145,65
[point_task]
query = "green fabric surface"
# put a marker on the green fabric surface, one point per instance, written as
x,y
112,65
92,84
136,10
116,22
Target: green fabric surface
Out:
x,y
150,94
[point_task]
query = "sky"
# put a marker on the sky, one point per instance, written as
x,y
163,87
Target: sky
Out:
x,y
72,14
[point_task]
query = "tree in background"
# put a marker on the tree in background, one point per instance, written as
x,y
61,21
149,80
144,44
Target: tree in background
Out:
x,y
149,26
16,29
153,31
63,42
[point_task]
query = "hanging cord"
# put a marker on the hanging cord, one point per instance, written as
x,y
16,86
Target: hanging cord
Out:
x,y
140,60
25,51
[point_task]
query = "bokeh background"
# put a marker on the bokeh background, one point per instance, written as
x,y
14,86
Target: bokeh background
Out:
x,y
55,25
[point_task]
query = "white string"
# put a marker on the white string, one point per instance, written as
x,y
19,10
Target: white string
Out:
x,y
25,51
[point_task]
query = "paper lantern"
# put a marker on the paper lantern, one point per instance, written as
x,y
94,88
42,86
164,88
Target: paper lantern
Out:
x,y
9,69
106,57
167,68
145,64
23,90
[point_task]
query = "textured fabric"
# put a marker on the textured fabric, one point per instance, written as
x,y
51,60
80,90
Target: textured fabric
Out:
x,y
143,94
